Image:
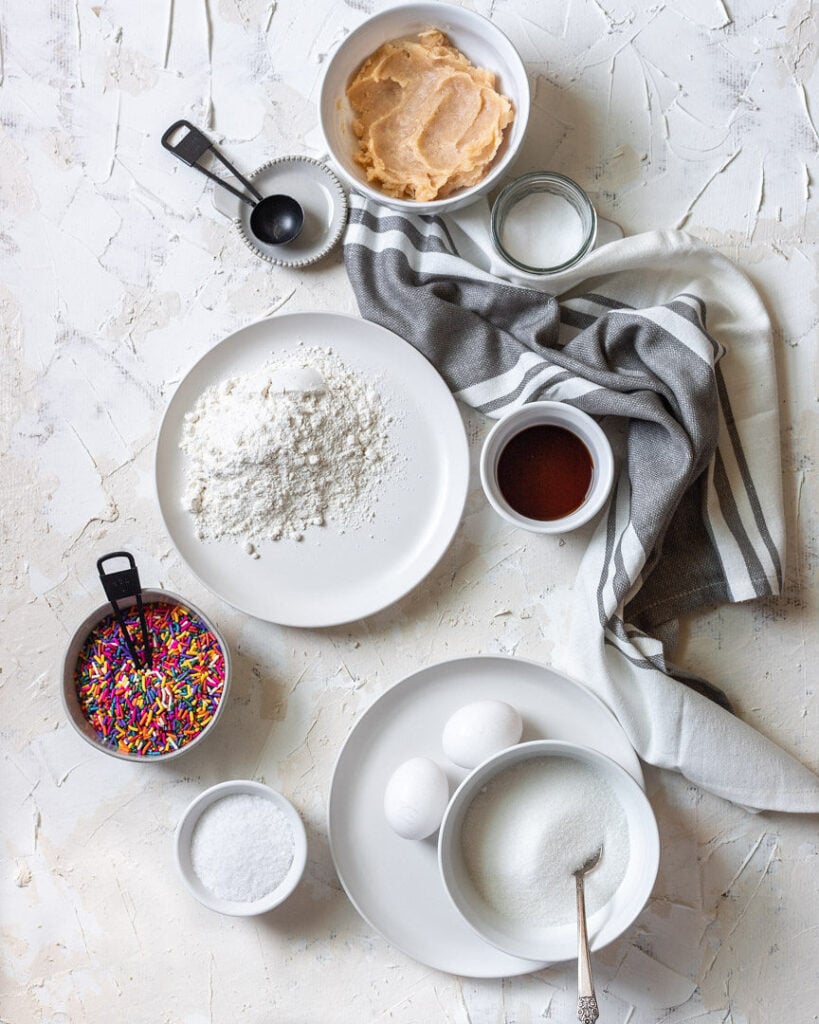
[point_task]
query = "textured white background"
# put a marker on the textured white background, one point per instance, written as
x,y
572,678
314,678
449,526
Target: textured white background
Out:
x,y
117,274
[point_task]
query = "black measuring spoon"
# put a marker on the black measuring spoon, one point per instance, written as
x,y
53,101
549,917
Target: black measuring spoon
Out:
x,y
274,220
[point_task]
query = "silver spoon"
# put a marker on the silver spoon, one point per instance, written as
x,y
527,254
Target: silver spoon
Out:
x,y
587,1012
275,220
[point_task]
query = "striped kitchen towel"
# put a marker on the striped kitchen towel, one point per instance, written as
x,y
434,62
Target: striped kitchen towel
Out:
x,y
668,344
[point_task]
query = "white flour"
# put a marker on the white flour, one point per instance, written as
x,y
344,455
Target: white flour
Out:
x,y
298,443
531,827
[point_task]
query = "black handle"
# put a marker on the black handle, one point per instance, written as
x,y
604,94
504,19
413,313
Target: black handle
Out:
x,y
118,586
193,146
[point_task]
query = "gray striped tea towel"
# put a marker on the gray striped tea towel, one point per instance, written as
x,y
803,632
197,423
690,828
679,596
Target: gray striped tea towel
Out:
x,y
668,343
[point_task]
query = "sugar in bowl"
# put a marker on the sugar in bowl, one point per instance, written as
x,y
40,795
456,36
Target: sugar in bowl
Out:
x,y
518,827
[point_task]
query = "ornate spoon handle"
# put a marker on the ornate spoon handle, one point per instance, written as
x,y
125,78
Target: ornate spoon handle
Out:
x,y
587,1012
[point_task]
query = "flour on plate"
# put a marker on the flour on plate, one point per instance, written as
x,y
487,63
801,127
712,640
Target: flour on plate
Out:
x,y
304,441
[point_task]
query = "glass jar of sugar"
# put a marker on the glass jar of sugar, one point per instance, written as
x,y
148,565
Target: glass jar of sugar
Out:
x,y
543,223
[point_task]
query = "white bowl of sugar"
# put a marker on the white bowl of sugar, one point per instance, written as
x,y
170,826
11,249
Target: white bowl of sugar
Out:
x,y
241,848
522,822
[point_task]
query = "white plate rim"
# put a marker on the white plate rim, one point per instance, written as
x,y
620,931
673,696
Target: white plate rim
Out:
x,y
458,463
634,769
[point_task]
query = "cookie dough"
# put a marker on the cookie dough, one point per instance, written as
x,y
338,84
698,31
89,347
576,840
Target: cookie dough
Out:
x,y
428,121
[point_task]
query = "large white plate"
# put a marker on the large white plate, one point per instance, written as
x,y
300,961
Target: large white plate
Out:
x,y
394,883
329,577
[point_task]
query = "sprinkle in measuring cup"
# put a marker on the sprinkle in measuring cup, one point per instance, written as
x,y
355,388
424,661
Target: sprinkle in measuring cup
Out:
x,y
151,711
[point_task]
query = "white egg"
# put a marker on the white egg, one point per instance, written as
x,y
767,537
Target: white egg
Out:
x,y
290,379
416,797
478,730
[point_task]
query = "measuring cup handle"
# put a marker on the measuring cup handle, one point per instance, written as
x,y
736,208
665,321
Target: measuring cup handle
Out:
x,y
118,586
193,146
190,147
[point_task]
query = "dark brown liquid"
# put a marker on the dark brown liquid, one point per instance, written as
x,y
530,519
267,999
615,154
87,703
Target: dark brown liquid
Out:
x,y
544,472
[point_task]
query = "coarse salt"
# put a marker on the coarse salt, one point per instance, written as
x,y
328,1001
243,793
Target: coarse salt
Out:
x,y
242,848
531,827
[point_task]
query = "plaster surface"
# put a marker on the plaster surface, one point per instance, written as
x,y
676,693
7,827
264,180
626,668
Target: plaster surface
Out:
x,y
117,274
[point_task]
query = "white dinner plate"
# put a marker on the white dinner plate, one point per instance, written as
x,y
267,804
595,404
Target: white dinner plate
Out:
x,y
330,577
394,883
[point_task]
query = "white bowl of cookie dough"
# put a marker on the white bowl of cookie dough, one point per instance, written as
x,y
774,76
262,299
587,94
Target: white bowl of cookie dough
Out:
x,y
476,37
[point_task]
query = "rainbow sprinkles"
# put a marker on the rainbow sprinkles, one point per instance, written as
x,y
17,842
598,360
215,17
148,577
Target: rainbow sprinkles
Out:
x,y
154,711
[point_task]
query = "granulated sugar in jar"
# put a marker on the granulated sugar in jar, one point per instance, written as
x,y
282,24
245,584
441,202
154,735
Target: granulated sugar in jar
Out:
x,y
543,223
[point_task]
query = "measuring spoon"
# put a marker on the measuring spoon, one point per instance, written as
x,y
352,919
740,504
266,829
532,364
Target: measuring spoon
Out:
x,y
274,220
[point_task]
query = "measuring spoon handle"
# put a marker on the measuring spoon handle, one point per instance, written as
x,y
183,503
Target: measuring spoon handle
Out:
x,y
192,147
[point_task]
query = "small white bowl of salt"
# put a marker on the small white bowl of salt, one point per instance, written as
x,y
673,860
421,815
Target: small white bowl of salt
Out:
x,y
520,825
241,848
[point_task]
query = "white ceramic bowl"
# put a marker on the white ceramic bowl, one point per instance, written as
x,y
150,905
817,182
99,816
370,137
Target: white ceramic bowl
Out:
x,y
184,835
68,693
558,942
475,36
562,415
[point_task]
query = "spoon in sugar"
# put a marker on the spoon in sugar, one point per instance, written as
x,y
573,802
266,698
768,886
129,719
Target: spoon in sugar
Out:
x,y
587,1012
